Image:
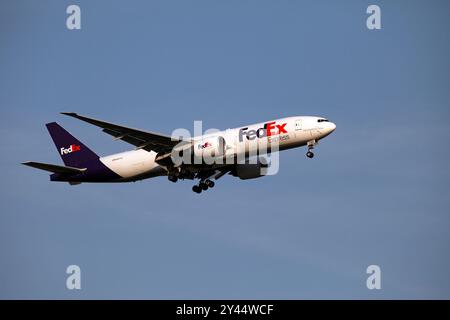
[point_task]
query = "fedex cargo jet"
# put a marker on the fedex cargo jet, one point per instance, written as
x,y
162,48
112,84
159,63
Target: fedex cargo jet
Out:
x,y
206,158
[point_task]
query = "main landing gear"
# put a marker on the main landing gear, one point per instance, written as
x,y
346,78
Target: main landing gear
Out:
x,y
175,174
311,145
203,186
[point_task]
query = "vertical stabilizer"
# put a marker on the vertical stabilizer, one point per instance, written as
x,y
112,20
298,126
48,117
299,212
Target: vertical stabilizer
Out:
x,y
72,151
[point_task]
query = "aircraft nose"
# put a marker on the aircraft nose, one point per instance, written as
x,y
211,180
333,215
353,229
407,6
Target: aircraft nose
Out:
x,y
328,128
332,127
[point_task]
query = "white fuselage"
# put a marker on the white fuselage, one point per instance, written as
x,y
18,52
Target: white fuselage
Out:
x,y
285,133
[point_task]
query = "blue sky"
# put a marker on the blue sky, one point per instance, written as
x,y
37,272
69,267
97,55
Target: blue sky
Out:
x,y
376,192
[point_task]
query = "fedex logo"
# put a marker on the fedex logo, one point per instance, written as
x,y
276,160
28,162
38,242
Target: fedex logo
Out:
x,y
204,145
269,129
70,149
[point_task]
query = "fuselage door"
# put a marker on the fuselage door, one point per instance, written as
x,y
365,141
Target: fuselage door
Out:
x,y
298,124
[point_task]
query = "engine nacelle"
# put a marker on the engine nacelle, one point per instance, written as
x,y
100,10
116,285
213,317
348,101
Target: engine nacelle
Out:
x,y
251,171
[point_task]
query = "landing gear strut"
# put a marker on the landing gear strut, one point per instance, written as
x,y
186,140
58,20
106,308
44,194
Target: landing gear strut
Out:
x,y
311,145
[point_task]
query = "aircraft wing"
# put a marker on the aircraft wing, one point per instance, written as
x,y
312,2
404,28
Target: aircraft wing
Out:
x,y
146,140
54,168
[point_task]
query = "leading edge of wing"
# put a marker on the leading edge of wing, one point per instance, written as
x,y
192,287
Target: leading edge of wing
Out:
x,y
110,125
137,137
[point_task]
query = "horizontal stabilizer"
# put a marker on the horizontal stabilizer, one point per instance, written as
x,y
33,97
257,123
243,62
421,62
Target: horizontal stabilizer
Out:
x,y
54,168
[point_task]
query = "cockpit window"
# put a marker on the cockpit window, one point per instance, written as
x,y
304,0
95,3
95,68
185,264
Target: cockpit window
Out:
x,y
322,120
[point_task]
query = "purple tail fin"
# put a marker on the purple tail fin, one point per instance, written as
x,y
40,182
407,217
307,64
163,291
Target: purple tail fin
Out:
x,y
71,150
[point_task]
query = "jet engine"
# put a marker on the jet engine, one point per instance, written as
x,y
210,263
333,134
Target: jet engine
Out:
x,y
251,170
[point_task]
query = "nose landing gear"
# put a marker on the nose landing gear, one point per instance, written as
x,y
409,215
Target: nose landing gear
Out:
x,y
311,145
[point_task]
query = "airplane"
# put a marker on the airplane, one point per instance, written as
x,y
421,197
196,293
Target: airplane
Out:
x,y
157,154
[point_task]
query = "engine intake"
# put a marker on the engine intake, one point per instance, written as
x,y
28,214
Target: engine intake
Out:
x,y
251,170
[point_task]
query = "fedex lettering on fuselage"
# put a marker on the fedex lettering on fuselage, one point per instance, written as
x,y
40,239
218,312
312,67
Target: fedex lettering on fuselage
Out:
x,y
269,129
204,145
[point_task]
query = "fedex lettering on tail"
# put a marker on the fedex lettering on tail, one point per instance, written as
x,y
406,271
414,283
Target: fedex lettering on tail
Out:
x,y
70,149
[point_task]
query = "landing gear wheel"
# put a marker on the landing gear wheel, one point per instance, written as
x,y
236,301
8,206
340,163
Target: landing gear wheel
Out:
x,y
209,183
173,178
309,154
203,186
196,189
